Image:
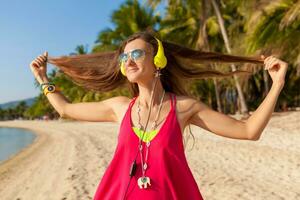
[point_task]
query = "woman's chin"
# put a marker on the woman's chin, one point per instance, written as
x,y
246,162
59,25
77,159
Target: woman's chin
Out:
x,y
133,79
133,76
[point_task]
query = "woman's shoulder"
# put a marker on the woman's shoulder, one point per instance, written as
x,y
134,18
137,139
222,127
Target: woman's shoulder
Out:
x,y
120,104
185,100
186,107
187,104
123,100
117,102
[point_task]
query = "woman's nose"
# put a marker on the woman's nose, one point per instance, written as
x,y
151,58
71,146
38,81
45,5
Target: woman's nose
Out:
x,y
129,61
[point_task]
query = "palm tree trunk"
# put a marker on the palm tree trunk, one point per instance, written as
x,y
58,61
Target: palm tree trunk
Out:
x,y
217,95
244,108
202,36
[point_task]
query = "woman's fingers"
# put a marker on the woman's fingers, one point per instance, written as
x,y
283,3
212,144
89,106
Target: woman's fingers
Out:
x,y
273,63
41,60
269,62
43,57
46,54
34,64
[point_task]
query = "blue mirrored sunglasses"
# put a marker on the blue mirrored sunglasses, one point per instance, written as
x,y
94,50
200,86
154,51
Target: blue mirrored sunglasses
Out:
x,y
135,55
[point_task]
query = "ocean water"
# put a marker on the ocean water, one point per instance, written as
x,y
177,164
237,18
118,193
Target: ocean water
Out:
x,y
12,140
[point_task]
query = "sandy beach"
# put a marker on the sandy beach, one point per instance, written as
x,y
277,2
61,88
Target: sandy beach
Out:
x,y
67,160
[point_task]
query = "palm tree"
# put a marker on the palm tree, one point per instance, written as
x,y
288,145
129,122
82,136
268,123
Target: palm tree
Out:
x,y
202,36
244,108
185,23
191,23
130,18
80,49
20,109
274,28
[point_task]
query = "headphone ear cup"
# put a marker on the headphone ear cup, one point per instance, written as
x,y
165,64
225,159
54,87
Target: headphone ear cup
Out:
x,y
160,60
123,68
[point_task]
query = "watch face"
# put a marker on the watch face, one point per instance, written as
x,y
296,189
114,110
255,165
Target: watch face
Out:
x,y
51,88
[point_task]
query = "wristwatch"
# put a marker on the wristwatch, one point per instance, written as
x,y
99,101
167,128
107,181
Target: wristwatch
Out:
x,y
49,89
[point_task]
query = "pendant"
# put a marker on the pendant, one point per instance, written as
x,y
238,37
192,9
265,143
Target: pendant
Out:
x,y
143,182
145,166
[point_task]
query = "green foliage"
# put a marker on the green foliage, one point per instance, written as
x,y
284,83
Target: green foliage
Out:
x,y
181,23
130,18
252,26
290,95
16,112
204,91
40,108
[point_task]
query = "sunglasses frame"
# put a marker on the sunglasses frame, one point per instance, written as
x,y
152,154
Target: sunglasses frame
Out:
x,y
129,54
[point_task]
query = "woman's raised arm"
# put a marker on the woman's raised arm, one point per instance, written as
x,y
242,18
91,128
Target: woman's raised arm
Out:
x,y
252,128
88,111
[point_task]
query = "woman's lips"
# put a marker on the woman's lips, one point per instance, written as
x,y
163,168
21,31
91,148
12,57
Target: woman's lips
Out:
x,y
132,69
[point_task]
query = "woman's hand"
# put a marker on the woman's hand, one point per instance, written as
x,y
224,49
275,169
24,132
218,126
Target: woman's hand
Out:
x,y
276,68
39,68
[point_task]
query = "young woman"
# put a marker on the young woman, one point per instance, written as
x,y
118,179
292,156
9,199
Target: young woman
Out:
x,y
149,160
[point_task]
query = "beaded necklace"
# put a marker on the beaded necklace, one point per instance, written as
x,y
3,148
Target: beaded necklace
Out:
x,y
144,181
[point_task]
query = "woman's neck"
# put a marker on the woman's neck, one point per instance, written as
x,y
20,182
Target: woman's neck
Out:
x,y
145,94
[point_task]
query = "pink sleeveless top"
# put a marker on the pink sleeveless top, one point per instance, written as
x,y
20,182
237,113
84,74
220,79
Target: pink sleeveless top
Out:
x,y
168,170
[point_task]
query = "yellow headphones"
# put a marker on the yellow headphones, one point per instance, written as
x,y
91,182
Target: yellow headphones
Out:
x,y
160,60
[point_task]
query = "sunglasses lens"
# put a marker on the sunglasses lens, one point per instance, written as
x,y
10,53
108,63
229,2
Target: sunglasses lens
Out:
x,y
123,57
137,54
134,55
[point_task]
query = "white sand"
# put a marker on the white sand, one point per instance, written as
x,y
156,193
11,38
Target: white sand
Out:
x,y
68,160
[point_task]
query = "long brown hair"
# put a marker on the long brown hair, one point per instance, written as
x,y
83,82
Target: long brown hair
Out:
x,y
101,71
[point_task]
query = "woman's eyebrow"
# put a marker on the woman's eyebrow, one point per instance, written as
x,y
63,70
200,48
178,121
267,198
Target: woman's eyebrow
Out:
x,y
135,49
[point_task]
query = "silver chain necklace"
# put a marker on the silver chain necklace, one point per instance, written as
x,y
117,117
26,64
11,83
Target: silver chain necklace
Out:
x,y
154,124
144,181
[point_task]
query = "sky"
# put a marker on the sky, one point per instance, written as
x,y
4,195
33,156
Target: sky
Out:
x,y
28,28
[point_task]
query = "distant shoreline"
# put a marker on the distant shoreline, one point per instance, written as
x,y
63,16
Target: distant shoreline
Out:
x,y
23,153
14,150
